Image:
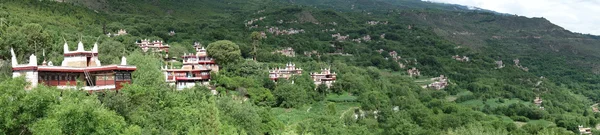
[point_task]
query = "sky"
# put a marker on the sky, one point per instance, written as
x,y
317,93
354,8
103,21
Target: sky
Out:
x,y
582,16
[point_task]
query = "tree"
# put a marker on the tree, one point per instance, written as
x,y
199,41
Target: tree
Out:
x,y
177,50
261,96
79,114
111,51
331,109
373,100
477,129
290,95
322,90
322,125
256,37
224,51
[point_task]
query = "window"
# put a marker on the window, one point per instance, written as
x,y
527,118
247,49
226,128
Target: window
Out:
x,y
127,77
110,78
119,76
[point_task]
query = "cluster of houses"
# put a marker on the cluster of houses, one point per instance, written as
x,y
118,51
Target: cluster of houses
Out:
x,y
311,53
291,31
284,73
439,83
461,59
366,38
289,52
518,64
325,77
153,46
397,58
377,22
328,30
121,32
196,69
340,37
500,65
252,21
82,69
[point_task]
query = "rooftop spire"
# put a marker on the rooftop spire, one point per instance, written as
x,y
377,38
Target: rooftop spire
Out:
x,y
95,49
32,60
66,47
14,62
80,47
123,61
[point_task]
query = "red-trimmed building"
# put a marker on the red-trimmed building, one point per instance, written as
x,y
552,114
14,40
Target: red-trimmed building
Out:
x,y
77,65
325,77
154,46
287,72
195,70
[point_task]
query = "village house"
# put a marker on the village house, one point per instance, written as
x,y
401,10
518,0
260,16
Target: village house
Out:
x,y
380,51
461,59
119,33
154,46
538,101
339,37
291,31
196,70
518,64
413,72
439,83
499,64
287,52
171,33
324,77
287,72
584,130
310,53
395,56
78,65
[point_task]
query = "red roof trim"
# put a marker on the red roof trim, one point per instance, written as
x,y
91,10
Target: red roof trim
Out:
x,y
89,69
191,78
24,68
185,70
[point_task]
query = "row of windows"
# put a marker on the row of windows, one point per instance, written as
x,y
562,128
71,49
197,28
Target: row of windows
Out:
x,y
123,76
67,77
188,74
58,77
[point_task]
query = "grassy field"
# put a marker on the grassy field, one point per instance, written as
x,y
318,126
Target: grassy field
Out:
x,y
493,103
292,116
344,97
454,97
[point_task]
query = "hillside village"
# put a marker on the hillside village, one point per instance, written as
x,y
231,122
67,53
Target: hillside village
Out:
x,y
300,67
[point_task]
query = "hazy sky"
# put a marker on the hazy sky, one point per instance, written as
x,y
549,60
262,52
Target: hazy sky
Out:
x,y
581,16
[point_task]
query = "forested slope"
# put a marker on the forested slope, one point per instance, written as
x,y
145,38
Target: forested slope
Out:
x,y
372,95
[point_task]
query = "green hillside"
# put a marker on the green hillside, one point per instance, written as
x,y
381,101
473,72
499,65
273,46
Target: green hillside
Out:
x,y
373,93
